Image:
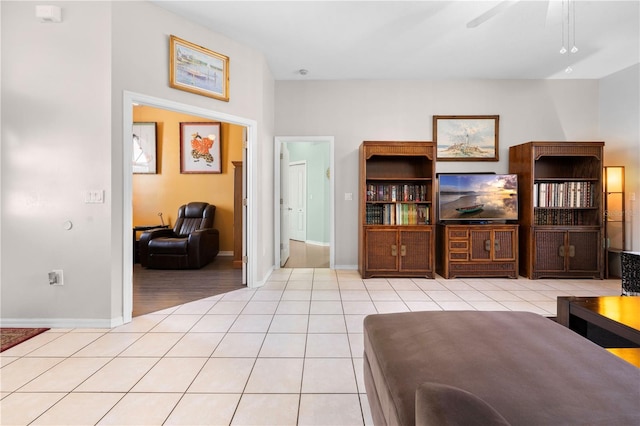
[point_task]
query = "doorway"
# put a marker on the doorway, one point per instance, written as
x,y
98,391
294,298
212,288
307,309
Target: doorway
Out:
x,y
304,230
165,188
249,215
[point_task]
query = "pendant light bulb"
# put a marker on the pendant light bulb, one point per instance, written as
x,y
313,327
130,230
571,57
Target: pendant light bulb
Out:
x,y
574,49
568,70
563,50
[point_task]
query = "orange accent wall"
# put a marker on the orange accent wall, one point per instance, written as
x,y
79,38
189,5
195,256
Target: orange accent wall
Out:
x,y
167,190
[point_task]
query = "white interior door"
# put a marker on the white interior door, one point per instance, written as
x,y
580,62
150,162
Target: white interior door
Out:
x,y
285,208
298,200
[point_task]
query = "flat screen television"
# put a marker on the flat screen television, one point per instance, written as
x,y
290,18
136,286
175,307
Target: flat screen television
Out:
x,y
477,197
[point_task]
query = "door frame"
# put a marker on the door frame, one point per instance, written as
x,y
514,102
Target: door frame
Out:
x,y
250,229
276,184
285,215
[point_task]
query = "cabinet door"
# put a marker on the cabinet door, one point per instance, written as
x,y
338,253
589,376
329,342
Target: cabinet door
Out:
x,y
481,244
549,255
504,242
493,245
415,250
382,250
584,251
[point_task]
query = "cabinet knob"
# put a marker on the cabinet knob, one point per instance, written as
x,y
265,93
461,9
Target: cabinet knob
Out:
x,y
403,250
394,250
572,251
561,251
487,245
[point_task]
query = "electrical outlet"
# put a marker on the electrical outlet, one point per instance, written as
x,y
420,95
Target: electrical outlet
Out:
x,y
55,277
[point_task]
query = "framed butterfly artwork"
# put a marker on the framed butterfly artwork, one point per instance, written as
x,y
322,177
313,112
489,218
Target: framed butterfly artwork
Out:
x,y
200,148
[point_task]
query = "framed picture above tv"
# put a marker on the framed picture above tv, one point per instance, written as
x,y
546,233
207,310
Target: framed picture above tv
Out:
x,y
466,137
478,197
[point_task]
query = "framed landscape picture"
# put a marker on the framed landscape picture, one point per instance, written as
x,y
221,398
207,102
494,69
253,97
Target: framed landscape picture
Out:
x,y
198,70
145,148
466,137
200,148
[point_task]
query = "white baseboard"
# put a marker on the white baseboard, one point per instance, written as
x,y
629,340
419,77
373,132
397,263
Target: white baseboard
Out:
x,y
347,267
61,323
265,277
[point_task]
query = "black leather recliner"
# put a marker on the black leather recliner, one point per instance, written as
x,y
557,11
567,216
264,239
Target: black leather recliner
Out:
x,y
191,244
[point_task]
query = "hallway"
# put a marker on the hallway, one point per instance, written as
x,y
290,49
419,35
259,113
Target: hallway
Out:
x,y
303,255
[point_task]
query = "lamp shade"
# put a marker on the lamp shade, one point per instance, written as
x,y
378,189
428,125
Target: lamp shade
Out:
x,y
614,178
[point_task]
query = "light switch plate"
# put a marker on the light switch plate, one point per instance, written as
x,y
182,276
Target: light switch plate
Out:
x,y
94,196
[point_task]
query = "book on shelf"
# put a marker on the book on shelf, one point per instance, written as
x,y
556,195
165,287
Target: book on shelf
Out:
x,y
397,214
558,217
397,192
578,194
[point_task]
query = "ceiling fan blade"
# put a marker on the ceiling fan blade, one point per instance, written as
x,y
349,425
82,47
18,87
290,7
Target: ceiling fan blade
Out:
x,y
554,13
481,19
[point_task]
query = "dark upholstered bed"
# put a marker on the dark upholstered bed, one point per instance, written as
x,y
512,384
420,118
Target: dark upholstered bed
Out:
x,y
492,368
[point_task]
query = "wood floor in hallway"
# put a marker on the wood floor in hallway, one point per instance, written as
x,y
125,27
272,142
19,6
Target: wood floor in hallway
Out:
x,y
302,255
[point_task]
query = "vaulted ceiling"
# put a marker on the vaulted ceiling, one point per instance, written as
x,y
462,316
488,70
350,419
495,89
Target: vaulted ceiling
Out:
x,y
428,39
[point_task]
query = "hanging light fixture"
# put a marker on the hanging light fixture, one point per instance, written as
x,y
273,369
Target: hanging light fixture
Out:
x,y
568,30
572,5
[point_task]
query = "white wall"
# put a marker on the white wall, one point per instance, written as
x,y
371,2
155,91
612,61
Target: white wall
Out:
x,y
56,138
140,64
620,128
62,94
355,111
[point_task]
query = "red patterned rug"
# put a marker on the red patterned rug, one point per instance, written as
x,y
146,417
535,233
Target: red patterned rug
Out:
x,y
9,337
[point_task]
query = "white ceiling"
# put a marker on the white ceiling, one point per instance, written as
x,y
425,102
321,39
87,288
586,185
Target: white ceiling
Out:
x,y
425,39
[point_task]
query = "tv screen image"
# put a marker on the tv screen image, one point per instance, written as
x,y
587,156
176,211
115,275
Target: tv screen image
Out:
x,y
478,197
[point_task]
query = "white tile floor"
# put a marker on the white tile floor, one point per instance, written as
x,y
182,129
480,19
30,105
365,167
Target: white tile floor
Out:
x,y
287,353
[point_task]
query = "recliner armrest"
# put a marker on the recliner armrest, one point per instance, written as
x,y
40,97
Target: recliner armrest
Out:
x,y
202,234
143,244
156,233
203,245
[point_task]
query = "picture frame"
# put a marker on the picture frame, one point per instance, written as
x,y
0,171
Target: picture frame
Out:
x,y
466,137
145,148
198,70
200,148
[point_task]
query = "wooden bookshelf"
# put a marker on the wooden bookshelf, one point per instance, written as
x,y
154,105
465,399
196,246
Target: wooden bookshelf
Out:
x,y
396,193
560,208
